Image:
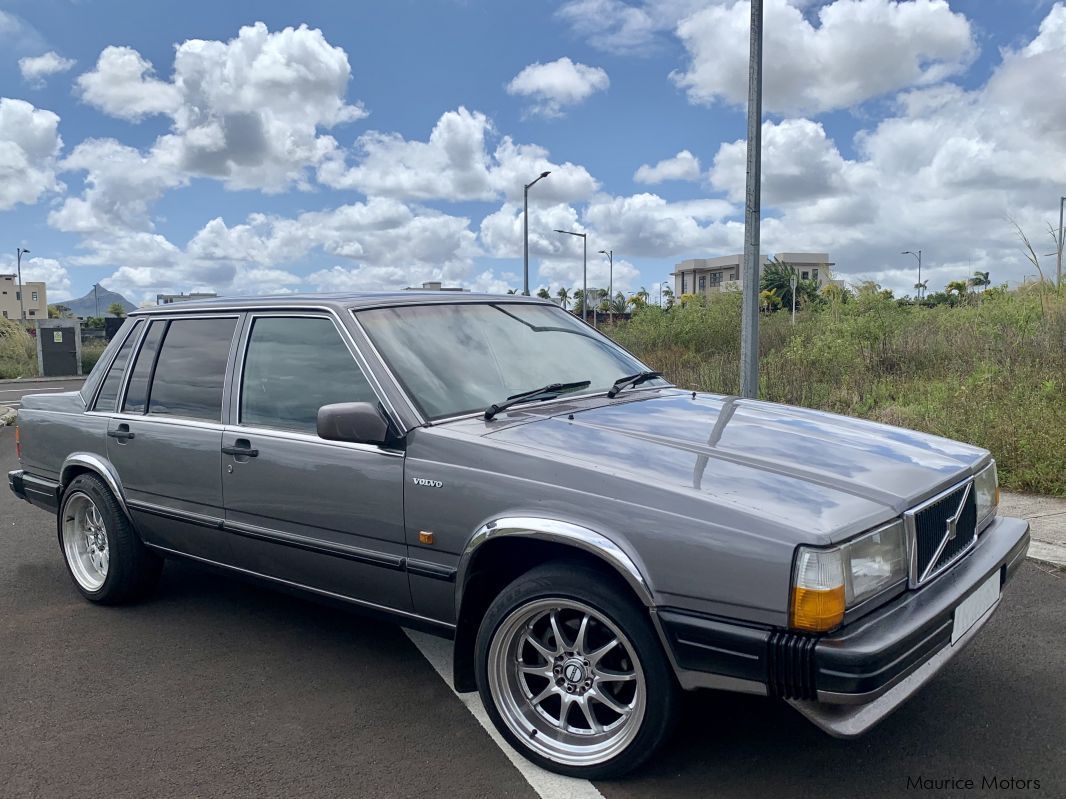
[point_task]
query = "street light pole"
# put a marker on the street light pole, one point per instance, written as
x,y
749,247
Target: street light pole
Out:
x,y
19,252
584,274
610,282
917,255
525,232
749,328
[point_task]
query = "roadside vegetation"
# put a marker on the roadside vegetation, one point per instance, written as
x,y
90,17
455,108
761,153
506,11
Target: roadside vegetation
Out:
x,y
985,366
18,353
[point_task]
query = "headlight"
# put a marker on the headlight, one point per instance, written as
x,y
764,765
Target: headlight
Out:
x,y
829,581
986,489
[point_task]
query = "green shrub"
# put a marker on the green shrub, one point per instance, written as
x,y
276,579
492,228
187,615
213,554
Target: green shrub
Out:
x,y
18,351
90,354
991,371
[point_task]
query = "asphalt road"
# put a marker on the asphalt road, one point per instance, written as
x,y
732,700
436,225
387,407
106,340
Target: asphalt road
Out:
x,y
12,391
220,688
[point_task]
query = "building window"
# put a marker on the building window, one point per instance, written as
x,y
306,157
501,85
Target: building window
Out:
x,y
716,279
34,295
732,275
805,275
682,282
32,312
814,274
5,314
703,283
18,295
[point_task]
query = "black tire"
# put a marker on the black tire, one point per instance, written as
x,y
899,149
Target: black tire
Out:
x,y
133,570
608,597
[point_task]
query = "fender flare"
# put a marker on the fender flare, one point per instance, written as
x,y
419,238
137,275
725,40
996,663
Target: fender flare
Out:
x,y
545,529
102,468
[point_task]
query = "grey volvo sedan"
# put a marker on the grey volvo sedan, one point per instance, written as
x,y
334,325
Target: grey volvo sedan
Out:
x,y
594,539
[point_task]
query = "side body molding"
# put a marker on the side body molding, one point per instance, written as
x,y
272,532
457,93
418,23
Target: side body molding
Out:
x,y
561,532
103,469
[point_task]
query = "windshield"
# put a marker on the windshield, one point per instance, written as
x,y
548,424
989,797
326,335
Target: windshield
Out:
x,y
460,358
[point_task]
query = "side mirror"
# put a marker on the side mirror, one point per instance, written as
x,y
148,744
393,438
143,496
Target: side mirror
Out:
x,y
356,422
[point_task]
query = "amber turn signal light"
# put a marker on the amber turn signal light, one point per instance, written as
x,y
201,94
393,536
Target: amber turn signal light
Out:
x,y
817,611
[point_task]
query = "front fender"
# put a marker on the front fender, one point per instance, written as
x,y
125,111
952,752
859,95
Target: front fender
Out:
x,y
561,532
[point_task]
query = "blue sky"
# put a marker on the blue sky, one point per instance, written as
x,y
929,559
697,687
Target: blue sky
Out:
x,y
285,158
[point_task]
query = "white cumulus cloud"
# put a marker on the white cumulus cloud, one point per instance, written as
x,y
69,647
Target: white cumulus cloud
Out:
x,y
858,50
35,69
29,146
683,166
557,85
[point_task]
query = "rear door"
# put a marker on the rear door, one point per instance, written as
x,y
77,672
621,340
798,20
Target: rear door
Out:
x,y
323,514
165,440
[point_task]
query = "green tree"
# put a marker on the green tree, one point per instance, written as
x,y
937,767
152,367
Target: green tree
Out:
x,y
777,277
617,304
980,280
116,310
920,287
769,300
564,297
543,293
668,297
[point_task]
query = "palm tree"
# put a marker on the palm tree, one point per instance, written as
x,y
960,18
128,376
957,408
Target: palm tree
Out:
x,y
668,296
921,287
116,309
777,276
980,280
643,296
579,302
512,291
769,300
617,304
638,301
543,293
564,297
958,287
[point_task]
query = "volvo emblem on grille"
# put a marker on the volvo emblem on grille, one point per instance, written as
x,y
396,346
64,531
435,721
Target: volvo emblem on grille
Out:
x,y
951,530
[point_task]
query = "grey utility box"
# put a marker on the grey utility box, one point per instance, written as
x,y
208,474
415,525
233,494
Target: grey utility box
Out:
x,y
59,347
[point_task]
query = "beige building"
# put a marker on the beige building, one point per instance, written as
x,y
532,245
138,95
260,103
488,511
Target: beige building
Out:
x,y
705,276
34,298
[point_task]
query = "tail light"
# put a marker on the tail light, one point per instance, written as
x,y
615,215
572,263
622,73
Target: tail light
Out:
x,y
18,443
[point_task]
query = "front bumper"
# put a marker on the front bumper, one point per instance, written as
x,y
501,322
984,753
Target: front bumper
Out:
x,y
849,680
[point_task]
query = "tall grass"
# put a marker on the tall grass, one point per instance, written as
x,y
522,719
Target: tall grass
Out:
x,y
991,372
18,352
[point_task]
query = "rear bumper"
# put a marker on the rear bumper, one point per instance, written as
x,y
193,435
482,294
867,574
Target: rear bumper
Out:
x,y
847,681
35,490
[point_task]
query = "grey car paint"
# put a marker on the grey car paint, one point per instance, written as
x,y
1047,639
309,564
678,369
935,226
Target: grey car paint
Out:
x,y
699,501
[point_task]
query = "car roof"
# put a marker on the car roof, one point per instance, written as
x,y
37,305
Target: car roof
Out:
x,y
335,301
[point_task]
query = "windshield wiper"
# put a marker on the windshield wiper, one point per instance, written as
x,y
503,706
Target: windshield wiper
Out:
x,y
550,391
631,380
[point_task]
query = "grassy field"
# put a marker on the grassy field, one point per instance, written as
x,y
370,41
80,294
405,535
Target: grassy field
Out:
x,y
991,371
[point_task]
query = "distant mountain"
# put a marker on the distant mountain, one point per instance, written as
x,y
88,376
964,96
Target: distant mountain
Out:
x,y
87,305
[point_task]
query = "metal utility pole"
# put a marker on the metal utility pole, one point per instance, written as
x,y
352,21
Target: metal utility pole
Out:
x,y
792,282
19,252
917,255
749,326
525,232
610,283
1058,265
584,274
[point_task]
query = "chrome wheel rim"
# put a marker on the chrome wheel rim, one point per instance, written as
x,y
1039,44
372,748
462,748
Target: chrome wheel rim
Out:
x,y
566,681
85,541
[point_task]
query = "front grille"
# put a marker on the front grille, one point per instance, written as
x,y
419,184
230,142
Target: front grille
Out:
x,y
931,528
790,665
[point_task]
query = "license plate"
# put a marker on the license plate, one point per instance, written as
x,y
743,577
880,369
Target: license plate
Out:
x,y
975,606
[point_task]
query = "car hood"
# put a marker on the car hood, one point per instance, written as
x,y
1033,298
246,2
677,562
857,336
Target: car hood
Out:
x,y
816,471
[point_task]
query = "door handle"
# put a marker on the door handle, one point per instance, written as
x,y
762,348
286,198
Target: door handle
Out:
x,y
123,433
242,448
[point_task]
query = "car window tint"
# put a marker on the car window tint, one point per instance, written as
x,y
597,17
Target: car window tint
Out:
x,y
292,368
191,369
137,392
105,400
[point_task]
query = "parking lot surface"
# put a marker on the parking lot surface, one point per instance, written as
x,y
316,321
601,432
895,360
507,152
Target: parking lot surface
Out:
x,y
12,391
217,687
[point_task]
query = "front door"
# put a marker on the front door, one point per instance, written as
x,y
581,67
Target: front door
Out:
x,y
321,514
165,440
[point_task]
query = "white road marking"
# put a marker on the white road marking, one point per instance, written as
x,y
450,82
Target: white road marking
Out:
x,y
438,651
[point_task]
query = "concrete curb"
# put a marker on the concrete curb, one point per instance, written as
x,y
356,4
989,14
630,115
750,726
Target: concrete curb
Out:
x,y
7,415
1047,553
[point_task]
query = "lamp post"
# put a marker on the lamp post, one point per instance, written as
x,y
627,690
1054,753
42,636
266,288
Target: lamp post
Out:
x,y
610,283
584,273
749,327
19,252
917,255
525,232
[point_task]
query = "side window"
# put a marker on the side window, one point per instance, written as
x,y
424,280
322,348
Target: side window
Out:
x,y
191,369
292,367
137,393
105,400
